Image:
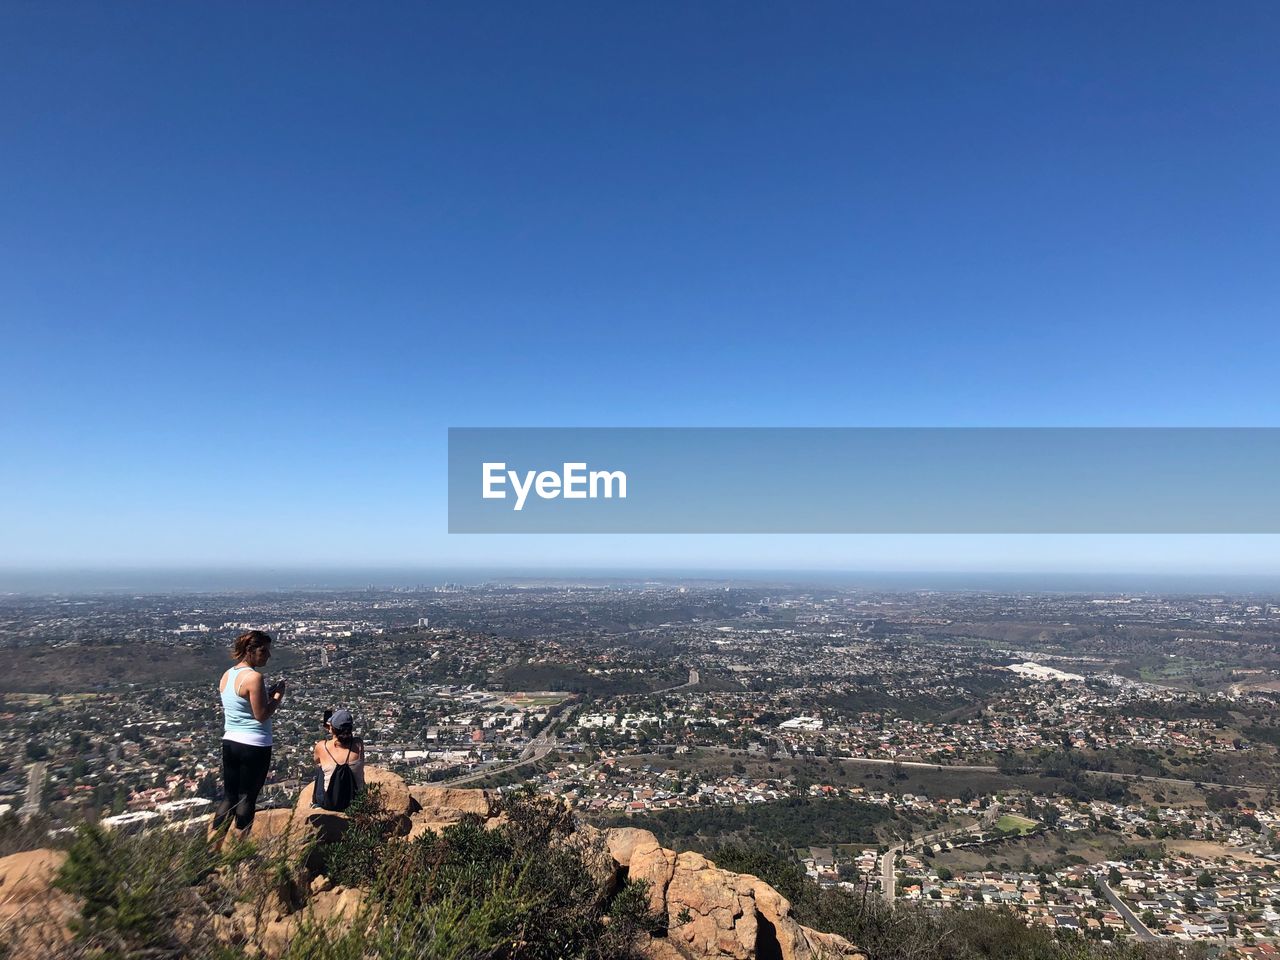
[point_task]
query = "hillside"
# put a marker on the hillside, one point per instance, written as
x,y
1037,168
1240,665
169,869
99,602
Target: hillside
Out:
x,y
437,873
412,872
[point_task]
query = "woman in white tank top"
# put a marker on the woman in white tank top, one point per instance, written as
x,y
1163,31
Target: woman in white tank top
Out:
x,y
247,706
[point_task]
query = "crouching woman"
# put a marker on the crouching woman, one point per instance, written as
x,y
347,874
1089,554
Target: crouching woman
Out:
x,y
341,762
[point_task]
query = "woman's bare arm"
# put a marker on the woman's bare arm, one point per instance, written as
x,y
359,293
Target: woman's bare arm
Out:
x,y
262,705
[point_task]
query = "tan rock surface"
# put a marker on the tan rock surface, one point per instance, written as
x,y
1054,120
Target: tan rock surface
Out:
x,y
450,803
271,930
434,808
652,863
395,792
726,916
26,875
592,846
661,949
271,825
623,840
395,798
721,920
32,912
831,946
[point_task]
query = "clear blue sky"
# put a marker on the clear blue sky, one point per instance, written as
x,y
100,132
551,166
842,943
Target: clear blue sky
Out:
x,y
256,258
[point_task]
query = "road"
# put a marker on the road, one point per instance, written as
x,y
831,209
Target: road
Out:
x,y
920,765
888,876
545,742
989,768
691,682
1137,926
888,871
536,749
33,803
1110,774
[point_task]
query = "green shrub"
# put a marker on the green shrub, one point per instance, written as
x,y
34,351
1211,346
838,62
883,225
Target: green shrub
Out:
x,y
132,887
353,859
521,890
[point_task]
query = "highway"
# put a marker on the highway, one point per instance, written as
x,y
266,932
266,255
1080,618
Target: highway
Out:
x,y
692,682
535,750
545,742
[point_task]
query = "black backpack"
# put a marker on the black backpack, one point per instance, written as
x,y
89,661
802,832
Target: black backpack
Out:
x,y
342,786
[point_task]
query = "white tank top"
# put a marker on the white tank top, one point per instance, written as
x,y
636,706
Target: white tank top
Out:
x,y
328,764
239,725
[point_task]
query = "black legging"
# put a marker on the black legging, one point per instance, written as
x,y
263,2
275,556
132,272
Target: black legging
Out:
x,y
244,771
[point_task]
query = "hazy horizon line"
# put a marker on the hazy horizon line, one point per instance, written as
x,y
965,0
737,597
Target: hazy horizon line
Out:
x,y
243,578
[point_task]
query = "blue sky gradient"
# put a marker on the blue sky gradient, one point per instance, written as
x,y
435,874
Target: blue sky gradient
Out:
x,y
256,258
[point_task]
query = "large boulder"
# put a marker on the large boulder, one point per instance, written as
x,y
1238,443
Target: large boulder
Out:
x,y
714,913
434,808
646,860
35,917
271,825
395,792
310,828
592,846
268,929
624,840
709,912
831,946
29,875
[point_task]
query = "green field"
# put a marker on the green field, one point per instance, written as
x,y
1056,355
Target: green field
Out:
x,y
1010,822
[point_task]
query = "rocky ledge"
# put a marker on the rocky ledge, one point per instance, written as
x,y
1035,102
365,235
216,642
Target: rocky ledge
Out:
x,y
710,912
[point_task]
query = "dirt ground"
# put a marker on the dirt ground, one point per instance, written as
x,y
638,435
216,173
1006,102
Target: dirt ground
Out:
x,y
1046,851
1210,850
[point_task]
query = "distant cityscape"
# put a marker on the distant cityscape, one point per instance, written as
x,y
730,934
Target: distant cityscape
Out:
x,y
1104,764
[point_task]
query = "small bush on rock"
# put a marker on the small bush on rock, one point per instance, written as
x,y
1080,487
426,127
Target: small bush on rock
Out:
x,y
132,888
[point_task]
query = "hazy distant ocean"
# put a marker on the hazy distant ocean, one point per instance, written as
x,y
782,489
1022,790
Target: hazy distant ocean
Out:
x,y
197,580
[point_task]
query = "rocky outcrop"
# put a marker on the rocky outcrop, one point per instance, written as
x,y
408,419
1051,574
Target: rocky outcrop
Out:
x,y
33,913
396,800
307,828
270,926
643,858
715,913
28,876
710,913
592,847
434,808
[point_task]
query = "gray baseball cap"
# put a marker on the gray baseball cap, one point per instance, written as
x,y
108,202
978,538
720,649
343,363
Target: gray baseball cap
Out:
x,y
342,720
